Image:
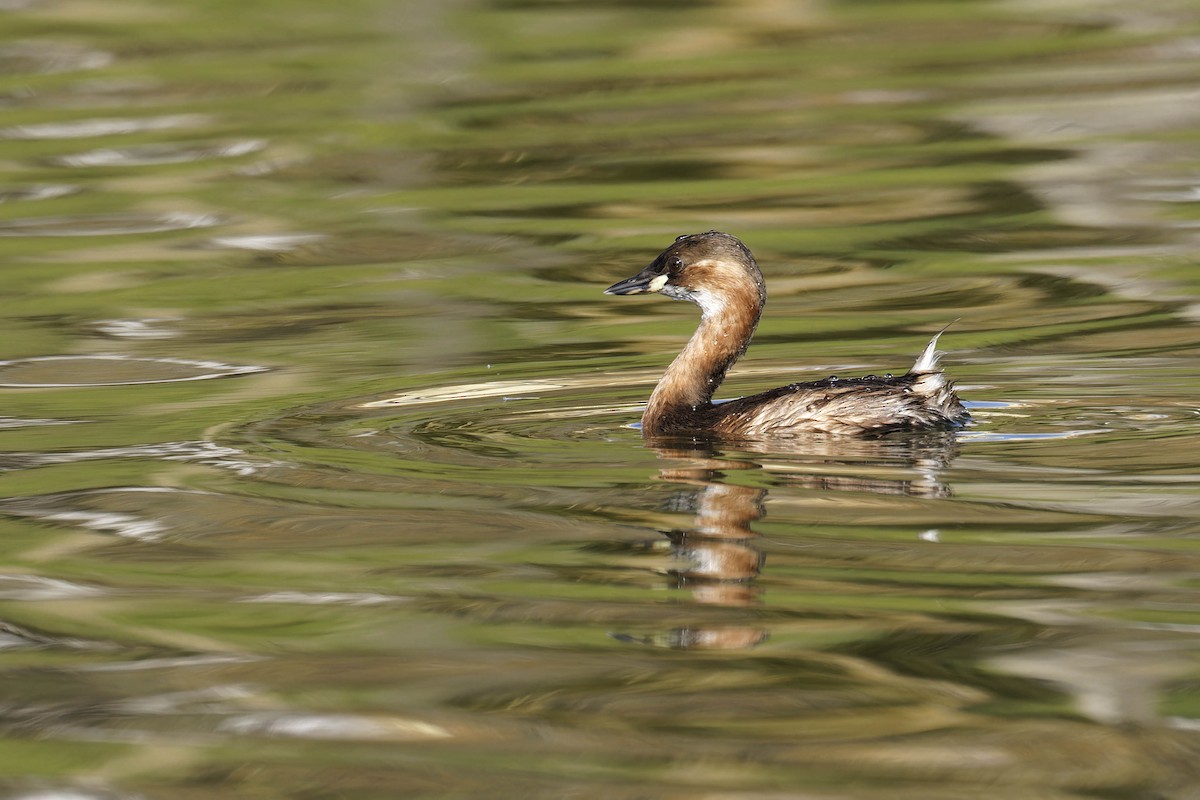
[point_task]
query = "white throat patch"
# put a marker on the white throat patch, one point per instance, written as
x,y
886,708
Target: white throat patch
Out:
x,y
710,304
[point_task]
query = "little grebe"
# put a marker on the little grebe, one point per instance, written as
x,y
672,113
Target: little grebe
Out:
x,y
717,272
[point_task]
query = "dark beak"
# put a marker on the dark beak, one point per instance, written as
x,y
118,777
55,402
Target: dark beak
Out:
x,y
638,284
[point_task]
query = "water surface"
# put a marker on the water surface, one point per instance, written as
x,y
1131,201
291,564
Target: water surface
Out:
x,y
317,463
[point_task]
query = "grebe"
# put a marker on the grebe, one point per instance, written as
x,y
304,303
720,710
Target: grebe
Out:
x,y
718,273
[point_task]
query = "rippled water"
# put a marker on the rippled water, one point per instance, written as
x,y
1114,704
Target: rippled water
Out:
x,y
317,469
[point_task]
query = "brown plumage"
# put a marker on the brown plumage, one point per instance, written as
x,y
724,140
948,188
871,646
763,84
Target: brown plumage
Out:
x,y
716,272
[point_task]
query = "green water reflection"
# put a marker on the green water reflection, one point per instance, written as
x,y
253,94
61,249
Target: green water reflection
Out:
x,y
316,470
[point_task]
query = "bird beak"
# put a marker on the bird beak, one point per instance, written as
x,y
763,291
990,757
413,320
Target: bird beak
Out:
x,y
648,280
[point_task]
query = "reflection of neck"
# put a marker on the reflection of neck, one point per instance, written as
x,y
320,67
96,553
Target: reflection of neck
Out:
x,y
725,329
718,547
726,511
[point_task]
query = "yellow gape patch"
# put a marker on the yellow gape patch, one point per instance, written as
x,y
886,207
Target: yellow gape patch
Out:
x,y
657,284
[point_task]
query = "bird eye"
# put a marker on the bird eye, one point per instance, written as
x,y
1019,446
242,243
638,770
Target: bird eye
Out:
x,y
674,264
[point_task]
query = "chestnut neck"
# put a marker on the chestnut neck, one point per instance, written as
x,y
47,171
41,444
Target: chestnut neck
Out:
x,y
726,327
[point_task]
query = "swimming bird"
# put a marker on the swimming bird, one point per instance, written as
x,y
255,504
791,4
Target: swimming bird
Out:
x,y
719,274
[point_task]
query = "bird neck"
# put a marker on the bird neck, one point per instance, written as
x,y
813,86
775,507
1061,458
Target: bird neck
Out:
x,y
688,384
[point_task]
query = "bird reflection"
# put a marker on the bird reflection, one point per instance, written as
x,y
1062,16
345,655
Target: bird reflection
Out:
x,y
908,464
717,558
717,551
